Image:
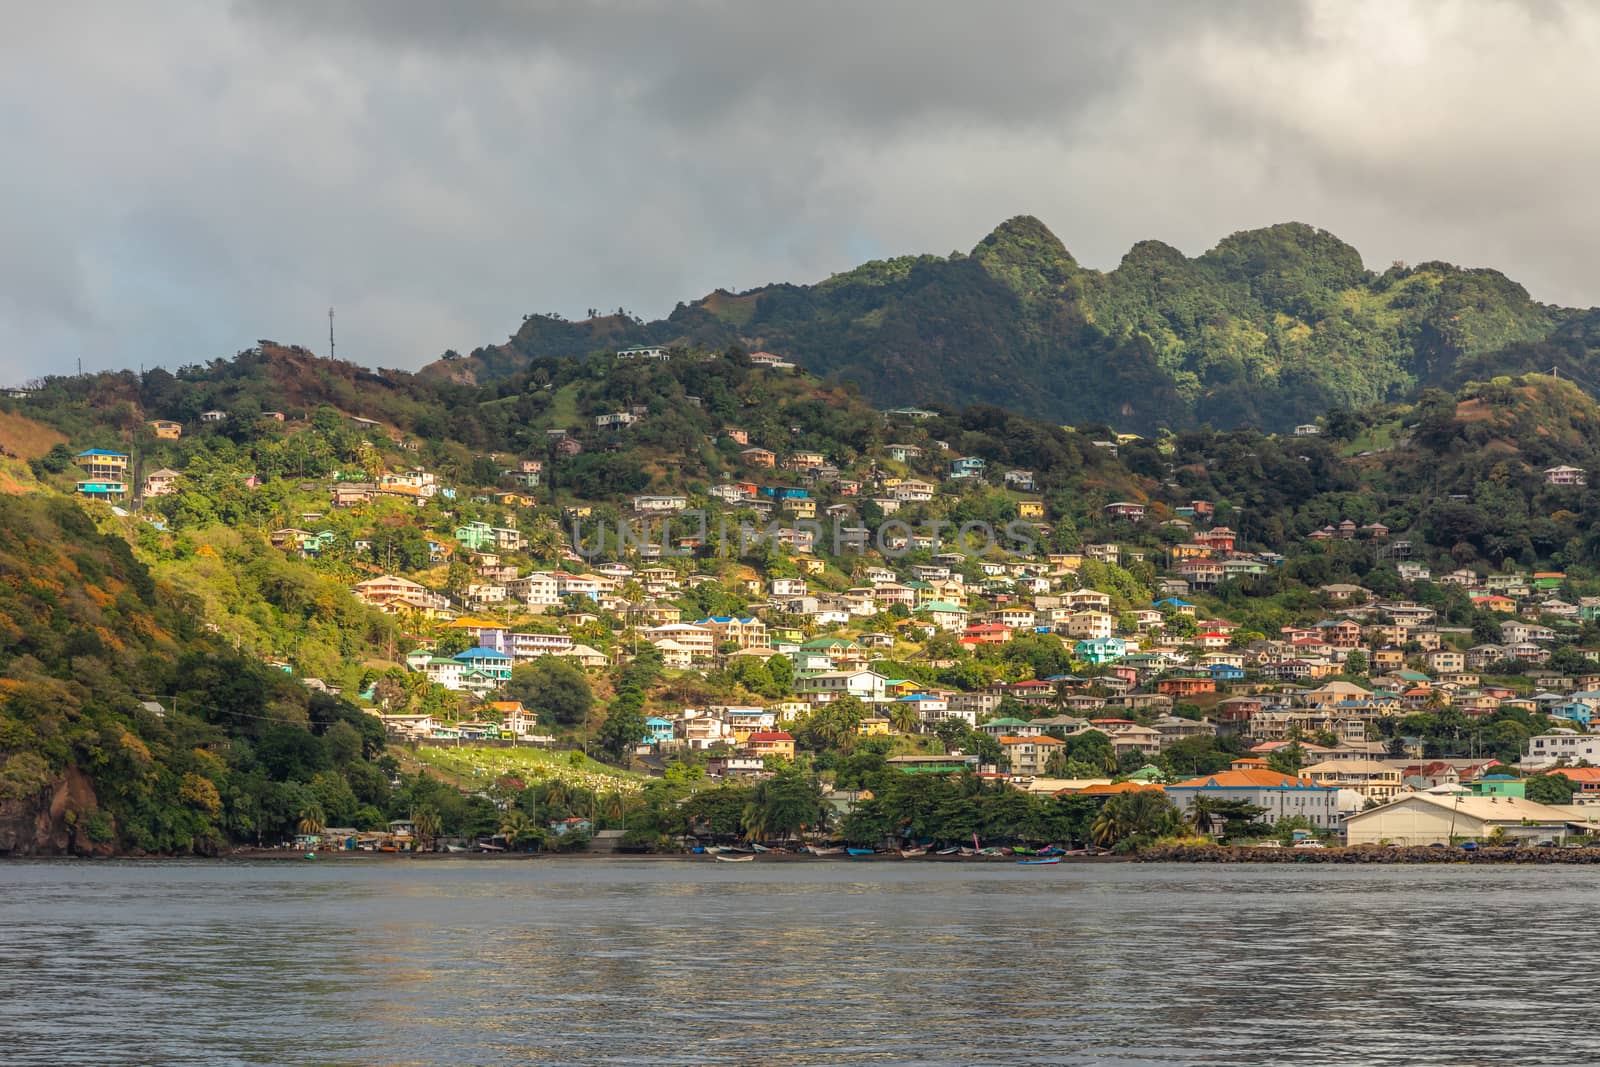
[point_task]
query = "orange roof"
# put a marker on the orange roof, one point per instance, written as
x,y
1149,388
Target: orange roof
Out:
x,y
1579,774
1114,788
1042,739
1251,760
1247,779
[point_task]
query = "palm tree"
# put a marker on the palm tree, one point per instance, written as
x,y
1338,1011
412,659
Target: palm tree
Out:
x,y
312,820
517,828
426,825
555,793
754,821
613,806
904,718
1106,829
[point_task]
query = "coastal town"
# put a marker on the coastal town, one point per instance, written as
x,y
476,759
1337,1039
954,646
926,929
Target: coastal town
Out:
x,y
941,610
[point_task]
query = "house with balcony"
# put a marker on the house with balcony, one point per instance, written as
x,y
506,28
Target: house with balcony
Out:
x,y
1571,476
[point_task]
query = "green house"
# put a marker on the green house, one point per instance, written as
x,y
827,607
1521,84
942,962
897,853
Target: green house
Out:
x,y
1499,785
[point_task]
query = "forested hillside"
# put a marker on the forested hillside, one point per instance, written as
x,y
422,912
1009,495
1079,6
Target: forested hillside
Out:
x,y
125,724
1270,328
181,665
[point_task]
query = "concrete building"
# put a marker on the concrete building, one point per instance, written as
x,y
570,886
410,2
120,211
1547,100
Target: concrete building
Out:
x,y
1435,819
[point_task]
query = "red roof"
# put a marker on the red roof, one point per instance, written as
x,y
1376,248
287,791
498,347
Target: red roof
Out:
x,y
770,735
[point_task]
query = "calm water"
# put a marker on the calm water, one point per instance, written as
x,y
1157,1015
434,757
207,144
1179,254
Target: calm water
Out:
x,y
558,961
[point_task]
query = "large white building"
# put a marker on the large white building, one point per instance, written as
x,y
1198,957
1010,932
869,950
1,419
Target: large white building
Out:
x,y
1442,819
1561,746
1283,796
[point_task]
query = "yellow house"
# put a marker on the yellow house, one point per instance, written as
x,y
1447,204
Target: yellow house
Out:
x,y
1030,509
812,565
167,430
1373,780
873,726
801,507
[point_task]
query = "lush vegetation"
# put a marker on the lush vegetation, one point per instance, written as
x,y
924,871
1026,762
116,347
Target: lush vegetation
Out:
x,y
1269,328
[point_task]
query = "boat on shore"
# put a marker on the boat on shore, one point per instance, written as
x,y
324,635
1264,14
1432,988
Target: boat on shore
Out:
x,y
912,853
721,858
1039,861
819,850
862,851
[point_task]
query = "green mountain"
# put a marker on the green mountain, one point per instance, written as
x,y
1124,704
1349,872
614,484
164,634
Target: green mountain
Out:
x,y
1269,328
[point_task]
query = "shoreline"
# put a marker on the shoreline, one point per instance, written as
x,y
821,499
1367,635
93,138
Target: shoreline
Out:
x,y
1183,854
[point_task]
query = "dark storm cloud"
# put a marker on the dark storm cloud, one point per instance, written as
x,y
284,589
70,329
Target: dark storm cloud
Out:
x,y
193,177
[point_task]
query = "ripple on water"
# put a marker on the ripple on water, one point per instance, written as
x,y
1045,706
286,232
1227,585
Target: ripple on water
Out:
x,y
691,963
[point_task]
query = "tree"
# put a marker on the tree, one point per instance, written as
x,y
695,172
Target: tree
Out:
x,y
426,825
1355,663
1553,788
555,688
781,669
786,804
623,729
519,829
904,717
1288,759
312,821
1145,813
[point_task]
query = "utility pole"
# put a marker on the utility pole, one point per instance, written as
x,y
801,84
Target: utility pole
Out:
x,y
330,333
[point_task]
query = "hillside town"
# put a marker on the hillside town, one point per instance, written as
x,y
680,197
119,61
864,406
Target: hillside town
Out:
x,y
938,604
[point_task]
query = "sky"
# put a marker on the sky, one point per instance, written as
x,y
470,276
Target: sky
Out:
x,y
183,179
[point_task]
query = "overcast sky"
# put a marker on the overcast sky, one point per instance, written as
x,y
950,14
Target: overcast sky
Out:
x,y
182,179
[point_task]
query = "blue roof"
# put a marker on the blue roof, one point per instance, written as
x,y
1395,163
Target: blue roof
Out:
x,y
656,720
481,653
99,452
1175,602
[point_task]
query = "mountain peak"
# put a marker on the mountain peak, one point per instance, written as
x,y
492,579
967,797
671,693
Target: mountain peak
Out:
x,y
1023,253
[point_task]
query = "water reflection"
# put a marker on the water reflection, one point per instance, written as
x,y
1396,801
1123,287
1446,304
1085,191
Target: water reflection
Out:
x,y
691,963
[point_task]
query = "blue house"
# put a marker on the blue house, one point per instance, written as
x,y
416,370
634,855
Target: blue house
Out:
x,y
492,664
1100,649
966,467
1225,672
1574,711
657,730
781,492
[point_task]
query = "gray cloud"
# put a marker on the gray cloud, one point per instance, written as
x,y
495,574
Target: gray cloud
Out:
x,y
195,177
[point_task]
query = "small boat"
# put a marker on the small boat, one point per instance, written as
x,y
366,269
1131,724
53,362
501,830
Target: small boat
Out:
x,y
734,859
912,853
818,850
1039,862
759,848
862,851
953,850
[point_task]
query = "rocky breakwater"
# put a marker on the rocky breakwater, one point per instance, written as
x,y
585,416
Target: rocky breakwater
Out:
x,y
1364,854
